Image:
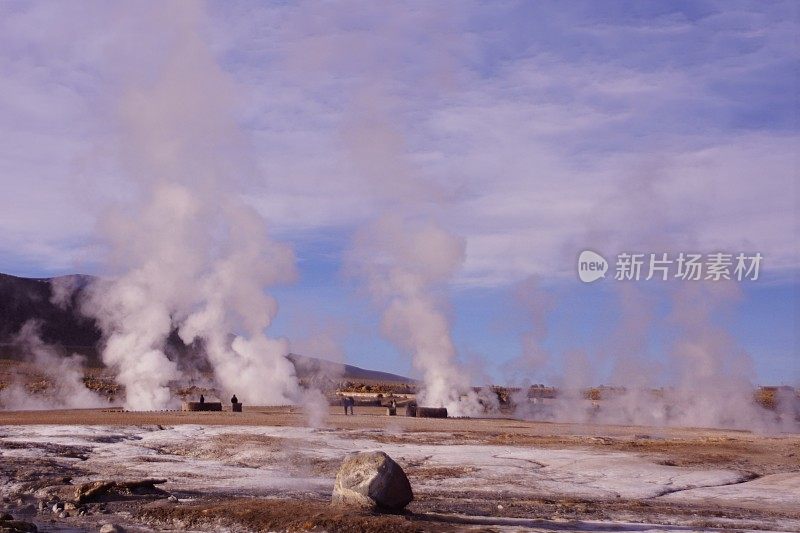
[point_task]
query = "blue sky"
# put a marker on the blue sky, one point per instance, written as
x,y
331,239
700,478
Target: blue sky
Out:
x,y
531,131
489,322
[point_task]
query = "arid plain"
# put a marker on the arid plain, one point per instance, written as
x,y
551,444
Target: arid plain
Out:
x,y
266,469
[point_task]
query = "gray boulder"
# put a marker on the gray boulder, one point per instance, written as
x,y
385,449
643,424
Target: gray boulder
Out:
x,y
372,480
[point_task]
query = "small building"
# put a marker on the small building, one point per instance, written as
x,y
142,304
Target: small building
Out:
x,y
201,406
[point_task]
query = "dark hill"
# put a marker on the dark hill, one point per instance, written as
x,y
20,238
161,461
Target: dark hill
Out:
x,y
24,299
53,302
311,366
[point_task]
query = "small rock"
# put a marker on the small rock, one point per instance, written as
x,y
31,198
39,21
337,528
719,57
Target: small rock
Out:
x,y
372,480
111,528
63,514
58,507
172,498
500,507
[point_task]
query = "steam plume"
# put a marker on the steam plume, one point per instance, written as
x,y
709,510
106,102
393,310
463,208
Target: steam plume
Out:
x,y
64,375
191,255
705,381
405,263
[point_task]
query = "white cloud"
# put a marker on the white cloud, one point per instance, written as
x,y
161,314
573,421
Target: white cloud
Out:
x,y
530,145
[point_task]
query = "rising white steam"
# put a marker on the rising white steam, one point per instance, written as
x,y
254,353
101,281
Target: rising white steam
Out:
x,y
714,374
190,255
405,264
65,388
705,381
534,305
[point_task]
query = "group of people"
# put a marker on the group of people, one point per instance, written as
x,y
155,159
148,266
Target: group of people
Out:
x,y
234,399
347,402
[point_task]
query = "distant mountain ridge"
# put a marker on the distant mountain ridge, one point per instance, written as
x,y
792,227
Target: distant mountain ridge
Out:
x,y
311,366
53,302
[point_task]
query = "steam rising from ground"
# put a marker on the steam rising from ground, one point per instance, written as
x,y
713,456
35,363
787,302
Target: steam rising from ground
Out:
x,y
193,257
405,263
705,381
64,375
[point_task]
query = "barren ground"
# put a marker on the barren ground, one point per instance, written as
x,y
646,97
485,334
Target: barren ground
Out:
x,y
264,469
